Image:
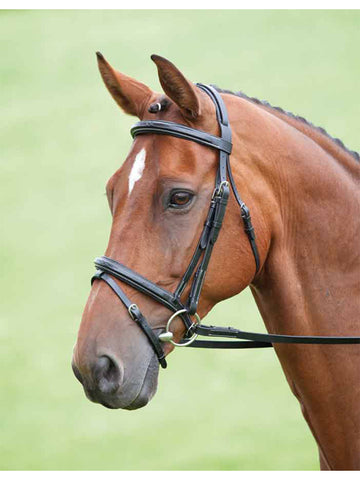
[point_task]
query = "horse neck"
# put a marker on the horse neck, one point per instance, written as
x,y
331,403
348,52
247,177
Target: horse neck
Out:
x,y
305,206
305,202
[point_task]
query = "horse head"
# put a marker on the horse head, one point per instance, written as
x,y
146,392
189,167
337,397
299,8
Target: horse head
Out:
x,y
159,200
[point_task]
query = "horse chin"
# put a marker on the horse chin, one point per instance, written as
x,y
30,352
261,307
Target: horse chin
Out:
x,y
148,387
127,400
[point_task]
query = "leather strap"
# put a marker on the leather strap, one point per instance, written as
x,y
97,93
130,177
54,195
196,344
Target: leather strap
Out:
x,y
137,281
143,285
162,127
229,332
229,345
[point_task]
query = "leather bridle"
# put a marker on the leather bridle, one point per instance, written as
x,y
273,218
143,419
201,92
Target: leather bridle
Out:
x,y
108,268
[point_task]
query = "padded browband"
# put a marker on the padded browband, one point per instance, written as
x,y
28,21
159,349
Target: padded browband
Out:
x,y
162,127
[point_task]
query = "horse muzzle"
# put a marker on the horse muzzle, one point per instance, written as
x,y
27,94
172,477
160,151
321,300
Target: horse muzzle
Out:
x,y
105,382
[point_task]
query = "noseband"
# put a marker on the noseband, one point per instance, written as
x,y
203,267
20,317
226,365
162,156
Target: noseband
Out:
x,y
108,268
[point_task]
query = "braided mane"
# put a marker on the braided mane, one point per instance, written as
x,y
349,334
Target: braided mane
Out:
x,y
264,103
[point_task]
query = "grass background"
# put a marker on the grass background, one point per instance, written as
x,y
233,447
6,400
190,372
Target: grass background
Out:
x,y
61,138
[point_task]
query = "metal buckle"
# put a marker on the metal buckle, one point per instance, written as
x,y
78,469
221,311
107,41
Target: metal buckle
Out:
x,y
168,336
132,307
219,190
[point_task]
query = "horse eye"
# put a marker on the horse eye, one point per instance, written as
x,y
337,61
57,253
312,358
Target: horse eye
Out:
x,y
180,199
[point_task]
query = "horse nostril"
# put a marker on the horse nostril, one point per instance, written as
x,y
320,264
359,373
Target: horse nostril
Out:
x,y
107,374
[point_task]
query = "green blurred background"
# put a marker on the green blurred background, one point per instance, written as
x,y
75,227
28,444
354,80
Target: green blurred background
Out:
x,y
62,136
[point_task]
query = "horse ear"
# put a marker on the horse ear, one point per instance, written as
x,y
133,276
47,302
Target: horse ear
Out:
x,y
132,96
177,87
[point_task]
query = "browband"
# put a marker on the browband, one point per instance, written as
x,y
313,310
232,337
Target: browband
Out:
x,y
162,127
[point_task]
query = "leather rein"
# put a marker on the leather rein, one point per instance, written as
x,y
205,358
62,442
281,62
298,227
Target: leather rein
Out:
x,y
108,269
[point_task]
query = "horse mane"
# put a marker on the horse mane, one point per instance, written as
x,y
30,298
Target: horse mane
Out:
x,y
268,106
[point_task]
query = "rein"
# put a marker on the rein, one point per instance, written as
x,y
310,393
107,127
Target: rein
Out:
x,y
108,268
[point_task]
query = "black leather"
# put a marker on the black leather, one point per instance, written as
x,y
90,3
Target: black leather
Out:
x,y
120,271
162,127
137,281
229,332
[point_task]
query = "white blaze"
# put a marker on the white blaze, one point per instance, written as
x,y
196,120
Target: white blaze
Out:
x,y
137,169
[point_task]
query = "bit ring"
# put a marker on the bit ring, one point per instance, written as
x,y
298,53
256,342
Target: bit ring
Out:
x,y
168,336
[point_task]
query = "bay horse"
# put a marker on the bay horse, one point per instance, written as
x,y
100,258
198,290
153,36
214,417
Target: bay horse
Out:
x,y
302,188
